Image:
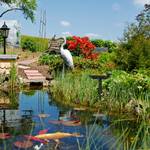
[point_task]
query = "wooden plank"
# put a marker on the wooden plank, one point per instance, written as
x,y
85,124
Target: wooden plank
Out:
x,y
36,78
23,67
35,81
30,71
33,74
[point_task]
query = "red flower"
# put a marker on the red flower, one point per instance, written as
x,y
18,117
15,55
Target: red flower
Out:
x,y
83,45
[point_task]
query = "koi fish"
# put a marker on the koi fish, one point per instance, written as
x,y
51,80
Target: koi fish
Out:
x,y
71,123
57,135
43,131
66,123
5,136
30,137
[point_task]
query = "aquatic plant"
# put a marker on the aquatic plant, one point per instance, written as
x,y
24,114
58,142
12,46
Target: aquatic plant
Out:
x,y
123,87
13,76
118,90
76,88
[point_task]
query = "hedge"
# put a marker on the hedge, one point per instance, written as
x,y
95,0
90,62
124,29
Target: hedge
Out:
x,y
34,43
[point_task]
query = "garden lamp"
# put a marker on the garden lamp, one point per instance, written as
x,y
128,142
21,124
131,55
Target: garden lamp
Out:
x,y
4,31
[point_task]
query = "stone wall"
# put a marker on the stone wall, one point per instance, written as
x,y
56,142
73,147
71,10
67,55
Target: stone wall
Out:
x,y
5,67
6,62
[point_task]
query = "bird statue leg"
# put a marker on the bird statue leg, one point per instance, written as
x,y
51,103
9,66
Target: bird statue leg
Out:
x,y
63,71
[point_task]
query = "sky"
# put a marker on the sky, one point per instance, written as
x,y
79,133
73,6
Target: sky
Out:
x,y
102,19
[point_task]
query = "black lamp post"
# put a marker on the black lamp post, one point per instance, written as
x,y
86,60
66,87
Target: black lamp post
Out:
x,y
4,31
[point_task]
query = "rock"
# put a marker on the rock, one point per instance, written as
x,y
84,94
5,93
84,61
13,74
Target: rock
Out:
x,y
53,82
49,78
46,83
134,106
21,80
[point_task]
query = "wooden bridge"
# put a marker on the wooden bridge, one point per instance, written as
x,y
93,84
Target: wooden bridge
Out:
x,y
34,76
30,75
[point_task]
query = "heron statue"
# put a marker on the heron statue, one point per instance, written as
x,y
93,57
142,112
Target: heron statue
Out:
x,y
67,57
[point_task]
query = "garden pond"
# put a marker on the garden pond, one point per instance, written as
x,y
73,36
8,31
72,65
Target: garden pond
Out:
x,y
35,112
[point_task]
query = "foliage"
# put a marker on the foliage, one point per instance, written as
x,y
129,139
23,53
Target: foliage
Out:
x,y
112,46
28,7
133,52
55,62
117,89
34,43
81,47
103,63
82,63
29,44
122,87
76,88
143,20
13,76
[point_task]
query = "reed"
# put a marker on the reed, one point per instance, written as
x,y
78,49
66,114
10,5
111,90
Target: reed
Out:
x,y
118,90
76,88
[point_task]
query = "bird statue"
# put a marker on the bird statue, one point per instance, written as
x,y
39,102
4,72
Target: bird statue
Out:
x,y
66,55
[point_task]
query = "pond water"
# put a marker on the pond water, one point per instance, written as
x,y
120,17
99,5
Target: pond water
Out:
x,y
37,113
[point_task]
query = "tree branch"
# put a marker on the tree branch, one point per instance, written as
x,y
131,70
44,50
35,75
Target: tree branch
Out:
x,y
9,10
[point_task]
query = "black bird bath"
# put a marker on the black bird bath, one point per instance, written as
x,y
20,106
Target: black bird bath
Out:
x,y
100,78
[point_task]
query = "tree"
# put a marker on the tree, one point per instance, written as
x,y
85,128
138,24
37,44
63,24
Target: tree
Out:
x,y
133,52
28,7
143,20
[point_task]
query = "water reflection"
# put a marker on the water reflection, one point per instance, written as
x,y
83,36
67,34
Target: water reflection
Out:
x,y
32,112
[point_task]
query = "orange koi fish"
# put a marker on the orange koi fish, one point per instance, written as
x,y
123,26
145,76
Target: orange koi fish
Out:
x,y
57,135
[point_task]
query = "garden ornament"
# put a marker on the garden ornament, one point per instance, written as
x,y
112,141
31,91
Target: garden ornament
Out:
x,y
66,55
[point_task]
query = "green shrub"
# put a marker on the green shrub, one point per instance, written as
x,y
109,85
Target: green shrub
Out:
x,y
134,54
81,63
34,43
134,50
29,44
112,46
103,63
123,86
55,62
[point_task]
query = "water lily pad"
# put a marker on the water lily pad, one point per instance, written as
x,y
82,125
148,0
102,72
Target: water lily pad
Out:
x,y
23,144
4,136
